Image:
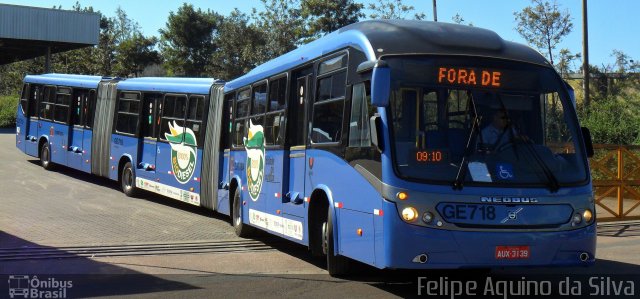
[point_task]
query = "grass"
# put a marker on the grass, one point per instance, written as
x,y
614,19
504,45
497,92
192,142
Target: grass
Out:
x,y
8,106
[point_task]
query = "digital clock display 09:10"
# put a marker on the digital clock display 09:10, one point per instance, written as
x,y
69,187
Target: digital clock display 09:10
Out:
x,y
430,156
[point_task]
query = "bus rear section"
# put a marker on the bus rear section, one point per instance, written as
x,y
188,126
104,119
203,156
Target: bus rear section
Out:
x,y
486,167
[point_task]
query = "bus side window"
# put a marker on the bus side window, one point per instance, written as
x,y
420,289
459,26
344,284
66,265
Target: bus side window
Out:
x,y
259,104
359,135
47,103
328,108
148,124
227,116
80,97
63,101
24,98
34,93
128,112
89,108
240,117
275,118
173,115
195,118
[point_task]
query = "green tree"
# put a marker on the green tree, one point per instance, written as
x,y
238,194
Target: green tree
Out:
x,y
393,9
565,62
283,27
324,17
134,54
240,46
543,25
187,42
458,19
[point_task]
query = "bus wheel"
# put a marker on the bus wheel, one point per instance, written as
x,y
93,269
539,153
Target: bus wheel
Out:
x,y
45,157
128,180
336,265
242,230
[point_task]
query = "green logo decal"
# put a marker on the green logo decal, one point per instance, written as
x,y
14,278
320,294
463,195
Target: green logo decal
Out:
x,y
183,153
254,145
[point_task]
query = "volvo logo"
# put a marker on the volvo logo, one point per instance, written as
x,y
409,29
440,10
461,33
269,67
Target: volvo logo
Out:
x,y
511,215
493,199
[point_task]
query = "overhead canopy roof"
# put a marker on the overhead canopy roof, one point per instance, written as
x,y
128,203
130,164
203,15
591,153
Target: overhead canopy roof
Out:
x,y
26,32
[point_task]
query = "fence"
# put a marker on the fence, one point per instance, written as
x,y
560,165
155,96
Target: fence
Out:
x,y
616,181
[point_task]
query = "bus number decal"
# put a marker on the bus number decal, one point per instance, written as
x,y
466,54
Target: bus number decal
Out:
x,y
254,145
183,152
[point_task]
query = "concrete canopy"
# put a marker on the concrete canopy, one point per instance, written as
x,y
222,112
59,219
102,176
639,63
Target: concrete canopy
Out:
x,y
29,32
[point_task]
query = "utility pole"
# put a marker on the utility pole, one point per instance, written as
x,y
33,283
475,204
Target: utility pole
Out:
x,y
585,52
435,12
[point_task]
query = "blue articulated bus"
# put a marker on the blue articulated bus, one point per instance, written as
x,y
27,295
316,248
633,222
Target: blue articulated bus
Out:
x,y
399,144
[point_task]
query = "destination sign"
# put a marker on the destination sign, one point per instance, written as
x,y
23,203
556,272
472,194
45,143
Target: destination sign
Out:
x,y
469,76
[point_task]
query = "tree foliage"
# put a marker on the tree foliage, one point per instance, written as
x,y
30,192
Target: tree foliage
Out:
x,y
187,42
543,25
393,9
323,17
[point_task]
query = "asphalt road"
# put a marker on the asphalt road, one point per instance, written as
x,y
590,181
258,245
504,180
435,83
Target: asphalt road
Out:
x,y
67,225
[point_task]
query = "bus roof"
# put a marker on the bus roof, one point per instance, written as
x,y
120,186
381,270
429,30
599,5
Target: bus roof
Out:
x,y
85,81
378,38
168,84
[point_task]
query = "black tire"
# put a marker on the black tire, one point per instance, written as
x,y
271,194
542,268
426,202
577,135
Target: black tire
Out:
x,y
45,157
336,265
128,181
242,230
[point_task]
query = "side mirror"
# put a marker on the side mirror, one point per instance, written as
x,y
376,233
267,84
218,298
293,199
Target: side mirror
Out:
x,y
380,84
588,143
375,123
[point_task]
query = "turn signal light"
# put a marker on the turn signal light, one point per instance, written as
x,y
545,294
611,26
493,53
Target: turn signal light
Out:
x,y
402,195
587,215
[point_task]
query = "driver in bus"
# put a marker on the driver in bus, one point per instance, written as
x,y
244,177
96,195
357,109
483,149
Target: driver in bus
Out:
x,y
499,132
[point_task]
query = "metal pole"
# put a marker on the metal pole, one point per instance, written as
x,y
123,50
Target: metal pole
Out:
x,y
435,12
585,52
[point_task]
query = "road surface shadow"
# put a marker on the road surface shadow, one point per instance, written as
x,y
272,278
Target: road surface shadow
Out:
x,y
89,278
622,229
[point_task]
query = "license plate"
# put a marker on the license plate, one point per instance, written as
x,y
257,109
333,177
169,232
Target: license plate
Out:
x,y
512,252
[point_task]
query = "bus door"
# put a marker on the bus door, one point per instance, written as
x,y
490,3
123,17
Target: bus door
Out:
x,y
149,125
31,127
88,114
22,117
76,129
293,196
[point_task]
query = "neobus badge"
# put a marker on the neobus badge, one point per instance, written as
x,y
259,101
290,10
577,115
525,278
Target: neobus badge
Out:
x,y
463,76
508,199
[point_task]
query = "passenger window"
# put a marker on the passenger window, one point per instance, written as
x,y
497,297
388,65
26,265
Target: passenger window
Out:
x,y
24,99
173,119
195,118
34,93
241,117
259,99
148,125
89,109
128,113
47,103
80,97
329,106
359,133
275,118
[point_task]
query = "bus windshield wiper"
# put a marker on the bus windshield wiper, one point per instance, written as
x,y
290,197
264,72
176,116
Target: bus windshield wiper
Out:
x,y
458,183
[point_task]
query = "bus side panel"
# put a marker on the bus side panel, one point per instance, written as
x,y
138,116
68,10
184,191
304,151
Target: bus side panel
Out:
x,y
59,146
31,135
223,194
87,136
359,201
187,191
122,145
74,152
21,123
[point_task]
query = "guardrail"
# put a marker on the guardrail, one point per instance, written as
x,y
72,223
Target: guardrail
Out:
x,y
616,181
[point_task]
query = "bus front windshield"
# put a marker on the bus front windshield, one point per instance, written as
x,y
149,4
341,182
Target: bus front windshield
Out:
x,y
482,121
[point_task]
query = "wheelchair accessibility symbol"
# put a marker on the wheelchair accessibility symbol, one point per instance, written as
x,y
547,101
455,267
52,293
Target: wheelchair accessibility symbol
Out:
x,y
504,171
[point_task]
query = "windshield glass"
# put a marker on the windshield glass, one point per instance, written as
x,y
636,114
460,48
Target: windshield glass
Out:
x,y
491,121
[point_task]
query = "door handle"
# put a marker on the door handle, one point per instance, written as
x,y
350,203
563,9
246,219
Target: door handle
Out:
x,y
224,185
147,166
294,197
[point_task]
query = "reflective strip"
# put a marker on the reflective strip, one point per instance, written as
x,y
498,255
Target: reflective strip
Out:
x,y
377,212
306,199
338,205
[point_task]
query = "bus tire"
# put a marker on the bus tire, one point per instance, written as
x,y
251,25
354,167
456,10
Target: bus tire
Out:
x,y
45,157
128,181
337,265
242,230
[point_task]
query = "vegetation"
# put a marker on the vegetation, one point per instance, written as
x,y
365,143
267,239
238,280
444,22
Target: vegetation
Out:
x,y
8,106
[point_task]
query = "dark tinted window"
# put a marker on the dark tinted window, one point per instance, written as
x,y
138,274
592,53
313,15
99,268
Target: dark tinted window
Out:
x,y
35,92
327,121
80,97
149,122
259,99
24,99
47,103
174,111
128,113
277,94
195,118
89,109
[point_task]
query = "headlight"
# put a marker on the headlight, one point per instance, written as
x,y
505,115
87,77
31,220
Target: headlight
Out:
x,y
576,219
427,217
409,214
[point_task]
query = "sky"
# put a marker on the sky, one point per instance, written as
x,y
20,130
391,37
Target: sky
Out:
x,y
611,22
